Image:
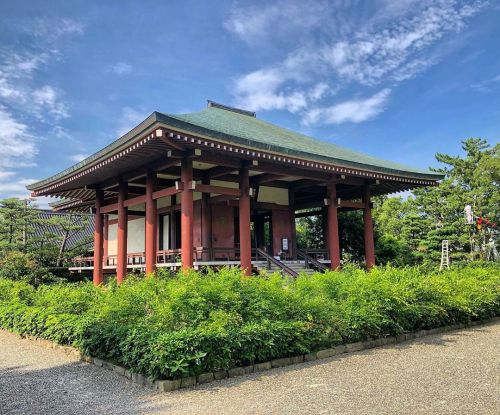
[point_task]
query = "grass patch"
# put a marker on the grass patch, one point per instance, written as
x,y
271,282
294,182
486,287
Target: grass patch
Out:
x,y
175,326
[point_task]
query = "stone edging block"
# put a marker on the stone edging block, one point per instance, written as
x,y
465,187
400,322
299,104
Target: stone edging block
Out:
x,y
172,385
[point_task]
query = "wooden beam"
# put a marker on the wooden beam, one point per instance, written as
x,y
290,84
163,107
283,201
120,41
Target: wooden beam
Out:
x,y
306,185
219,190
135,201
309,205
136,213
218,159
266,177
260,205
268,206
109,208
218,171
221,199
158,164
285,170
353,181
169,191
168,139
351,204
308,213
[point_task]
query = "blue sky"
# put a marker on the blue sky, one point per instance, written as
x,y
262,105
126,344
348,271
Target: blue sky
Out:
x,y
399,79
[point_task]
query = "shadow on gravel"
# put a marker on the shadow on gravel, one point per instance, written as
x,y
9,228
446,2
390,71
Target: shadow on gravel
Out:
x,y
75,388
80,388
442,339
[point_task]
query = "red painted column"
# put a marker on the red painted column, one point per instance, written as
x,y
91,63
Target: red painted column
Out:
x,y
206,222
98,238
106,238
121,260
151,223
244,219
293,242
368,229
333,228
187,214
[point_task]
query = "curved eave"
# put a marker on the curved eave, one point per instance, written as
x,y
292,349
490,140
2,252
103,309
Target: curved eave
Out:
x,y
158,120
115,147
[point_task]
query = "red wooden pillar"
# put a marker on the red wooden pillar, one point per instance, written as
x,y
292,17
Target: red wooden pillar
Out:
x,y
106,238
244,219
333,228
151,223
368,229
121,260
187,213
206,223
98,238
293,242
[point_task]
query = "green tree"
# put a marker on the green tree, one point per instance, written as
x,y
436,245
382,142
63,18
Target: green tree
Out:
x,y
422,221
310,232
17,218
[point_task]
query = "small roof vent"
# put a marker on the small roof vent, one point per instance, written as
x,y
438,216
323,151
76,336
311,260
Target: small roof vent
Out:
x,y
227,108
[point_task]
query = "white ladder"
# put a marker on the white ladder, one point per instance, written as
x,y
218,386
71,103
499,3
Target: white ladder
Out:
x,y
445,255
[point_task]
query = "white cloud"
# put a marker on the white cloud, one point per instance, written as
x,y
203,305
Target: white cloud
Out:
x,y
129,118
487,84
48,98
24,100
16,68
76,158
17,145
51,29
355,110
17,187
253,23
17,76
19,64
8,91
6,174
18,149
121,68
398,43
263,90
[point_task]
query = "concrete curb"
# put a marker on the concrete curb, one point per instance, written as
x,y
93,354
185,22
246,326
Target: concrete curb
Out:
x,y
171,385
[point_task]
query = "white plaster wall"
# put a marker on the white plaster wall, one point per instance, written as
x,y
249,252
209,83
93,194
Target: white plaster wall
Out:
x,y
163,202
273,195
112,238
135,236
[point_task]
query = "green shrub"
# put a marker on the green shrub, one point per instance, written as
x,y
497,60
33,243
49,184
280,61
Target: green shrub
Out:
x,y
21,267
177,325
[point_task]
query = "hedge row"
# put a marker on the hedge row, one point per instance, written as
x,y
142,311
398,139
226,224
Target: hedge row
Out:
x,y
169,327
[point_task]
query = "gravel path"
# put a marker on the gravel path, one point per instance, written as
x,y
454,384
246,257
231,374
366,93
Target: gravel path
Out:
x,y
453,373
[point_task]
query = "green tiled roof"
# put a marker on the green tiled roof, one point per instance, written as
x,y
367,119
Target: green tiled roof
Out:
x,y
248,130
242,128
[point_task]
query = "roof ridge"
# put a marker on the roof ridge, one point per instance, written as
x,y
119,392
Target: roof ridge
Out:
x,y
213,104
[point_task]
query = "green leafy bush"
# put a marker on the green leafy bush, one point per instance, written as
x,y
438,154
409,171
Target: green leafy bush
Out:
x,y
21,267
171,326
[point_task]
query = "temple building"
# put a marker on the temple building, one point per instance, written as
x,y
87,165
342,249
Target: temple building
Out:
x,y
216,187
